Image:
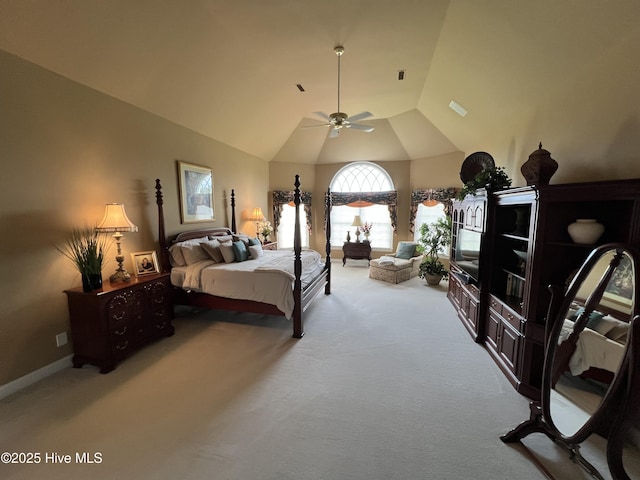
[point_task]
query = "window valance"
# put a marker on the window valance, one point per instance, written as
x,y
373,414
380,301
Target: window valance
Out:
x,y
365,199
426,195
281,198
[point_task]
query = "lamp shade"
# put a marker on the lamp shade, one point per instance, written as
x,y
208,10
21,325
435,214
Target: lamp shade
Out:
x,y
257,214
116,220
356,221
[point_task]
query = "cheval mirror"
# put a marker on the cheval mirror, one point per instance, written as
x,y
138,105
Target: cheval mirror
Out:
x,y
591,378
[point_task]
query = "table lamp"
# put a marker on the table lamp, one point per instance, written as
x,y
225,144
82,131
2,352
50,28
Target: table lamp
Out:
x,y
357,223
116,221
258,217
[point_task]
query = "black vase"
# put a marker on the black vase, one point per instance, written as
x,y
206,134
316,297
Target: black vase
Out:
x,y
91,282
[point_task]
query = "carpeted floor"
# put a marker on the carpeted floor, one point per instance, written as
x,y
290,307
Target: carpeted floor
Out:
x,y
386,384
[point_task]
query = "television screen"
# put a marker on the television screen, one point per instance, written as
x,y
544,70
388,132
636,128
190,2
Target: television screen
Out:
x,y
467,253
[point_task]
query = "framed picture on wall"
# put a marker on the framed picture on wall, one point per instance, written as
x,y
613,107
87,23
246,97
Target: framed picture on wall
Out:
x,y
196,193
145,263
619,290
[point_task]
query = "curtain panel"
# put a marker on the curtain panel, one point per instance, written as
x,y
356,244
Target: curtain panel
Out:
x,y
442,195
281,198
363,199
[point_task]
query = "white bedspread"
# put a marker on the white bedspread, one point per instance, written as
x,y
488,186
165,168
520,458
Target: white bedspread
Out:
x,y
592,350
268,279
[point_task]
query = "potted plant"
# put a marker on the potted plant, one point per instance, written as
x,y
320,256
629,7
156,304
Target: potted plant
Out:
x,y
86,249
433,238
490,178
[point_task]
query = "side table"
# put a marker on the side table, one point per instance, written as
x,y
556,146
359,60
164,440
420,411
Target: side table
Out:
x,y
356,251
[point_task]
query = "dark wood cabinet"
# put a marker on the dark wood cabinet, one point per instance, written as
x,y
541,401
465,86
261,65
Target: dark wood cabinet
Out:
x,y
526,247
109,324
356,251
466,300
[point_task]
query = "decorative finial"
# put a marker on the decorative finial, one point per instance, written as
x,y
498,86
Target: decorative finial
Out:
x,y
540,146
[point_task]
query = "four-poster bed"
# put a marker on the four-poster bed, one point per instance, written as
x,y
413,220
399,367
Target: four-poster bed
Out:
x,y
300,280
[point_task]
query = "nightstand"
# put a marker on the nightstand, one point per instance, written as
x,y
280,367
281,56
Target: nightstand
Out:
x,y
270,246
108,325
356,251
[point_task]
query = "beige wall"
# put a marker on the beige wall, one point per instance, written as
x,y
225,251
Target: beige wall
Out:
x,y
66,151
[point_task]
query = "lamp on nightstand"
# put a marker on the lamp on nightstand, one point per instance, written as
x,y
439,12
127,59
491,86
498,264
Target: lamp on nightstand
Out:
x,y
357,223
257,217
116,221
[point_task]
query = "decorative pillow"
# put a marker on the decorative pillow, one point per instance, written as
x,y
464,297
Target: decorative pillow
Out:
x,y
255,241
176,256
240,251
212,248
193,254
255,251
221,238
227,252
385,260
241,237
612,328
594,321
406,250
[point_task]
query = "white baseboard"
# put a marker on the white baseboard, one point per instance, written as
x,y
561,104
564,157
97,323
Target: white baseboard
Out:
x,y
31,378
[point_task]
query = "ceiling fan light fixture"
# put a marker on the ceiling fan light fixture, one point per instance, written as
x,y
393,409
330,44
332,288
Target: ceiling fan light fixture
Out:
x,y
338,119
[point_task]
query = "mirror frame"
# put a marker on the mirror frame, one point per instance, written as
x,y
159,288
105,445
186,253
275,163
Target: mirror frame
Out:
x,y
618,408
598,418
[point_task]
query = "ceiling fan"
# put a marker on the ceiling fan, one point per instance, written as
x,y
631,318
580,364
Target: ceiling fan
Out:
x,y
339,120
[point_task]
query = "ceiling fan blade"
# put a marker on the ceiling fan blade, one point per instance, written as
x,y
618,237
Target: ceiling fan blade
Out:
x,y
360,116
317,125
364,128
334,133
323,116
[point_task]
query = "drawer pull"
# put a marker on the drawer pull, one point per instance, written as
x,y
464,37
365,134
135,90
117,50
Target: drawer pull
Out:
x,y
117,317
160,326
158,300
122,346
159,314
120,332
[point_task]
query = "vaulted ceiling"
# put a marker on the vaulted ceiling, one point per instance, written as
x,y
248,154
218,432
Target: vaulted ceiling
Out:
x,y
230,69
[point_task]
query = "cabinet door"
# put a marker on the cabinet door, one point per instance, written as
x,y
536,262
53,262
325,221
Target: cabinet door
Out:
x,y
492,329
509,346
478,216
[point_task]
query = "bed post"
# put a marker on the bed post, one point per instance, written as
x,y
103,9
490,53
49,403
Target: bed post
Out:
x,y
327,287
233,211
298,330
162,238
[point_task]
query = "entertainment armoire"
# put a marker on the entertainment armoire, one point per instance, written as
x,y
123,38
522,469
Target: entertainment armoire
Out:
x,y
525,248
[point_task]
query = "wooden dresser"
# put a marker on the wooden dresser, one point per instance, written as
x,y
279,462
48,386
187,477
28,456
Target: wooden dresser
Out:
x,y
109,324
356,251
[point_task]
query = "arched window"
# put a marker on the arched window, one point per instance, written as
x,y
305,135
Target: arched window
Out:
x,y
365,178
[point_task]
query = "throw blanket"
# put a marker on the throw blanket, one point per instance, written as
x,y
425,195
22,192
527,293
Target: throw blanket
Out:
x,y
284,264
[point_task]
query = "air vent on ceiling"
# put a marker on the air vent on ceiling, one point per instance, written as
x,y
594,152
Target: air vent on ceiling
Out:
x,y
400,74
300,87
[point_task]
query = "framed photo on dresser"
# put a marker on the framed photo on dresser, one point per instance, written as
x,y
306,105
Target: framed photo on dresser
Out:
x,y
145,263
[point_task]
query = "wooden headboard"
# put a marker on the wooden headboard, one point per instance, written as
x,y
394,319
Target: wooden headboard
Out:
x,y
165,242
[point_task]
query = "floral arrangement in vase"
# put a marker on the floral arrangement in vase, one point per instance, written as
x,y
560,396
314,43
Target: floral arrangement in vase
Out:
x,y
366,229
265,229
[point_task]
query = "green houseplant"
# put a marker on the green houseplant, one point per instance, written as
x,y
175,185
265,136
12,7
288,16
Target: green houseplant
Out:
x,y
86,249
433,238
491,178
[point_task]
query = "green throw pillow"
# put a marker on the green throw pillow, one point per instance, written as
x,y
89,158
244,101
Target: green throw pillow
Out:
x,y
240,251
406,250
594,318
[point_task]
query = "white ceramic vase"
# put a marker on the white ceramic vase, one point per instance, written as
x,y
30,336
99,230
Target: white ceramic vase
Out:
x,y
585,231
